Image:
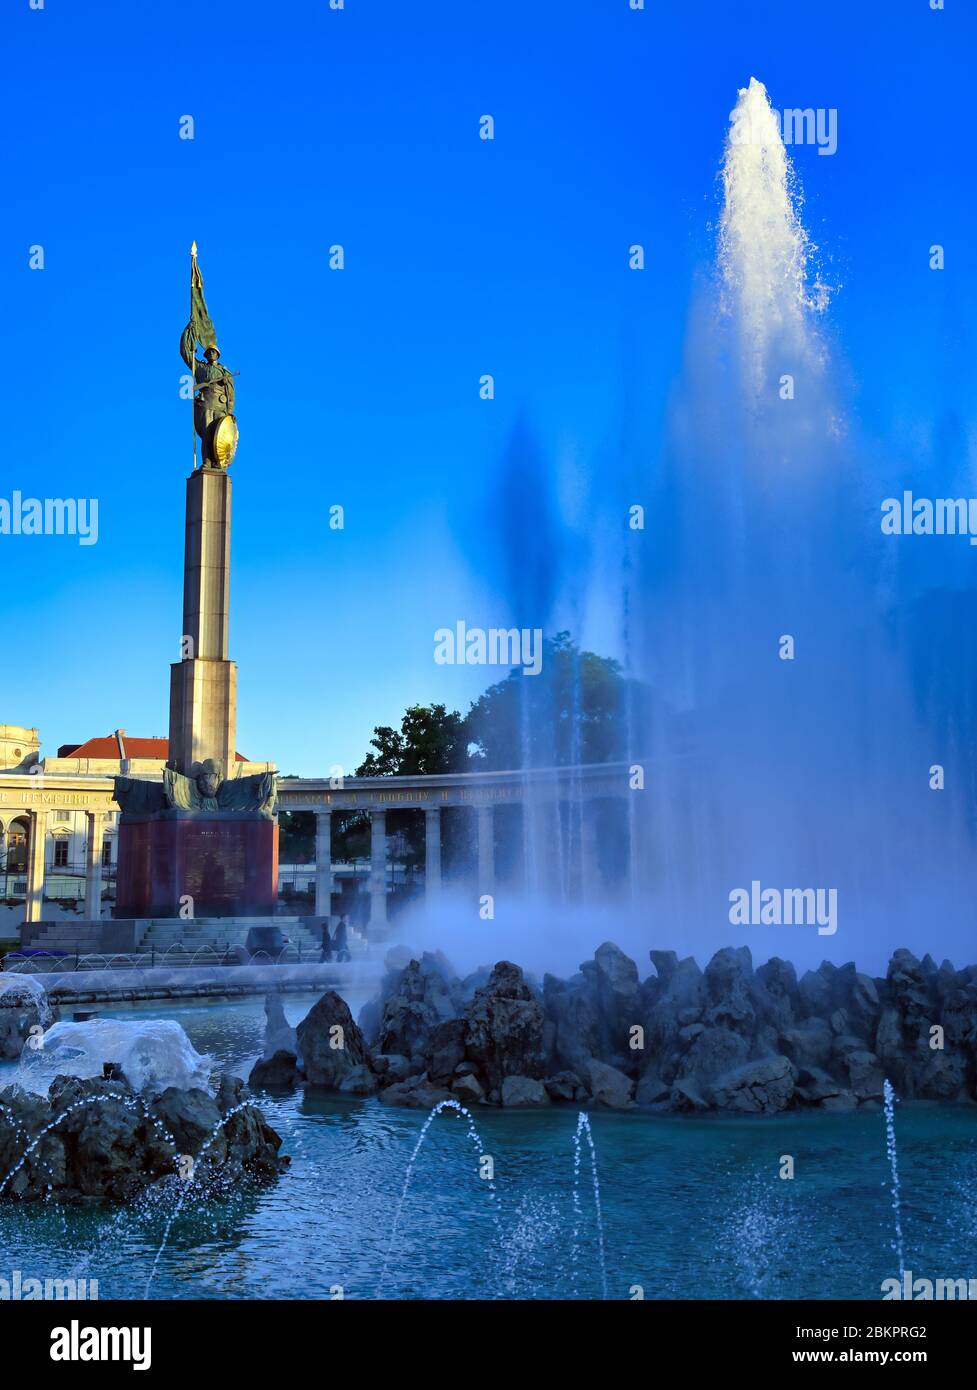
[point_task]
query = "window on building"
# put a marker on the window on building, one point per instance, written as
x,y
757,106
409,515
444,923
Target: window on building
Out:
x,y
62,816
61,853
106,854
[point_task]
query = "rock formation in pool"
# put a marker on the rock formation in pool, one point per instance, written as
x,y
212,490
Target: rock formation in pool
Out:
x,y
76,1123
725,1038
94,1137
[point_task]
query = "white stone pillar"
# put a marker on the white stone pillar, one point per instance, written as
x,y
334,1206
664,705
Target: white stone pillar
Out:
x,y
378,868
486,850
635,867
33,907
590,875
323,863
432,851
93,865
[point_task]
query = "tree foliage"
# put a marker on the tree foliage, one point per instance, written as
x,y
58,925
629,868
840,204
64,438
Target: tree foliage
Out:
x,y
429,740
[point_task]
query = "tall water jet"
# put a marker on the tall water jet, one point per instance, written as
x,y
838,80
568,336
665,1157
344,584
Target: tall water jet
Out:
x,y
790,753
765,253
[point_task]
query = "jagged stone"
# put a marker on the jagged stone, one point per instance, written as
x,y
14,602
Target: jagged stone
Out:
x,y
564,1086
685,1095
419,1002
651,1089
277,1073
446,1050
609,1087
809,1044
331,1043
416,1093
572,1011
864,1074
359,1081
728,979
523,1091
107,1142
280,1036
504,1036
714,1052
814,1085
618,1001
763,1086
391,1065
468,1089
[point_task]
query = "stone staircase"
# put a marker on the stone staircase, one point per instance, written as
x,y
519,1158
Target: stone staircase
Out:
x,y
169,934
171,942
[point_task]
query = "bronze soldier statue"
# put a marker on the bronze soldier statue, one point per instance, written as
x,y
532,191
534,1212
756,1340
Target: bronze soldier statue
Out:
x,y
213,401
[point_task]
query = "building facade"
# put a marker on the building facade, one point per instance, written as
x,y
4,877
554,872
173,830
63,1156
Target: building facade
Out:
x,y
58,827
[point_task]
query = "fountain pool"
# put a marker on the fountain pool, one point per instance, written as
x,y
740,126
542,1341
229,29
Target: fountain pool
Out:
x,y
691,1207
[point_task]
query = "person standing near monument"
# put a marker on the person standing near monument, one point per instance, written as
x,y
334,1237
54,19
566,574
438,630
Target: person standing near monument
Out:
x,y
340,940
325,952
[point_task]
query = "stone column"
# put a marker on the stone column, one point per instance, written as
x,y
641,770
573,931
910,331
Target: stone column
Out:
x,y
378,868
323,863
635,866
432,852
486,850
33,907
203,684
93,865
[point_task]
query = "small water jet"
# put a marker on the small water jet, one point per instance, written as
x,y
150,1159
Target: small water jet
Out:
x,y
583,1128
192,1181
889,1097
473,1134
86,1103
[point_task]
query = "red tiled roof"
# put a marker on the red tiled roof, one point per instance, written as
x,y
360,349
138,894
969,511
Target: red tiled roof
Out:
x,y
156,749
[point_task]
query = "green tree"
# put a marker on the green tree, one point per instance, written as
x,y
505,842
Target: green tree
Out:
x,y
574,711
429,740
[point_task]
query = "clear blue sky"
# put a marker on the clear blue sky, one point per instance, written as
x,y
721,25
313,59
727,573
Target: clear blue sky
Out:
x,y
360,127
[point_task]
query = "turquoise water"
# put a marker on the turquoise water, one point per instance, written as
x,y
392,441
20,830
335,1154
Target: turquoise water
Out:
x,y
692,1208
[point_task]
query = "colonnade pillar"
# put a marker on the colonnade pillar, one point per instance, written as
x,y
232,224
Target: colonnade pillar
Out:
x,y
323,863
378,868
432,851
93,865
33,907
486,850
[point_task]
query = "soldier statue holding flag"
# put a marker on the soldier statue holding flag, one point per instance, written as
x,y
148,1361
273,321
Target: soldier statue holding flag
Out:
x,y
213,401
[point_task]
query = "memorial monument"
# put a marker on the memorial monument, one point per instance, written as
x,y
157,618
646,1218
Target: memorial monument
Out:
x,y
204,841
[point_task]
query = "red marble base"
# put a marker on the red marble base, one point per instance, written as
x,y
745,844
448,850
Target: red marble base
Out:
x,y
227,865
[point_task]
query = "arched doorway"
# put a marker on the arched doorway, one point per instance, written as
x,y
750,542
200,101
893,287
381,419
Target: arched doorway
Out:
x,y
18,843
14,848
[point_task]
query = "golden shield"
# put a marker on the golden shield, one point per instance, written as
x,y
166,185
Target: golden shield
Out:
x,y
225,440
